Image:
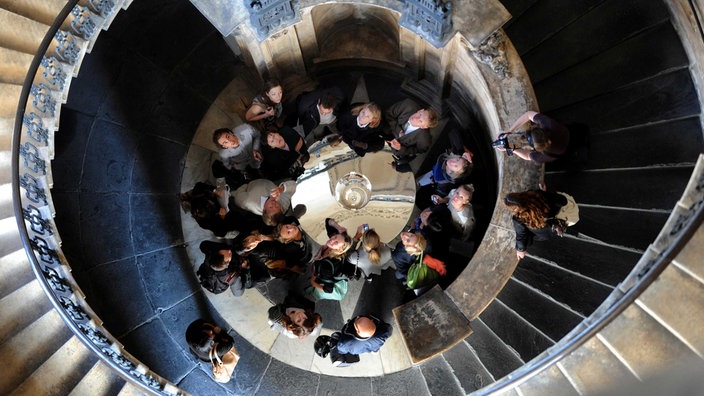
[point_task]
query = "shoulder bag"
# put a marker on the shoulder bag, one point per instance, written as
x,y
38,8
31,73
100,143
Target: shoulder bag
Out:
x,y
225,366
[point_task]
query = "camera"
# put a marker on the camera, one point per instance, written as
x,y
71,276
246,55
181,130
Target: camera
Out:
x,y
502,142
366,227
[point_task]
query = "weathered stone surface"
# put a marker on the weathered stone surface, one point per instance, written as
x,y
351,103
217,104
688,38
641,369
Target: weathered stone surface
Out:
x,y
225,15
548,382
593,367
431,324
677,299
486,274
477,20
632,330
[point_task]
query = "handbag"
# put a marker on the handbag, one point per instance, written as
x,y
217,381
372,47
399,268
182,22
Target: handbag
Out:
x,y
225,366
339,289
570,212
420,275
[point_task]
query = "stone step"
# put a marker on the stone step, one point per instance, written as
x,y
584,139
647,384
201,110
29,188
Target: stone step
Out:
x,y
5,140
99,381
627,188
6,209
551,381
626,335
9,238
5,167
61,372
130,390
631,60
580,293
21,308
676,300
667,96
9,97
440,379
613,28
690,258
31,347
515,331
15,272
599,262
592,367
32,32
467,367
14,66
542,311
498,358
43,11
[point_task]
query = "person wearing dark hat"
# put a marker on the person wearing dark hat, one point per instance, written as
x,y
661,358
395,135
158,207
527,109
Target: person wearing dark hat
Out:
x,y
361,334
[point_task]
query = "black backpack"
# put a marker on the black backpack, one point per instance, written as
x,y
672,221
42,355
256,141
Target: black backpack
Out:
x,y
215,281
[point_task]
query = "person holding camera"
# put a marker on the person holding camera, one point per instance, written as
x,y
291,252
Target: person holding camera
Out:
x,y
546,140
372,256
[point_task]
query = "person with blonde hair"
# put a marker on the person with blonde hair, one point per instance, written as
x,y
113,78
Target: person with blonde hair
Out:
x,y
407,251
327,280
371,256
360,128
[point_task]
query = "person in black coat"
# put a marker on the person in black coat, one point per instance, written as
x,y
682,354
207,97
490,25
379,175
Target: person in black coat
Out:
x,y
533,214
360,128
317,112
216,211
222,269
202,335
285,152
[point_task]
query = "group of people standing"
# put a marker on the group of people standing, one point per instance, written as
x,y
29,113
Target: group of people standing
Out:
x,y
250,206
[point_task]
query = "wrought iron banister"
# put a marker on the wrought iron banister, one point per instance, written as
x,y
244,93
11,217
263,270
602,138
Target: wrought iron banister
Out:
x,y
31,174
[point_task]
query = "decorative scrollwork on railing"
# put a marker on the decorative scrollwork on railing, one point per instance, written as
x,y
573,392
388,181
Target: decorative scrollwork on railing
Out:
x,y
82,24
268,16
33,159
94,335
53,73
66,48
57,282
101,7
36,221
33,190
35,128
430,19
74,310
42,99
43,250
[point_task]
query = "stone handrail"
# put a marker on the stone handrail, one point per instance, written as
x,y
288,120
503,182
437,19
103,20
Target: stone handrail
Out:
x,y
36,121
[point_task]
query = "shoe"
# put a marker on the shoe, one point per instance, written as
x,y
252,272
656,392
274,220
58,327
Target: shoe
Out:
x,y
337,363
299,210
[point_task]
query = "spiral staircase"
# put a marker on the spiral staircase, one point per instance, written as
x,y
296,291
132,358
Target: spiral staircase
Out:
x,y
618,300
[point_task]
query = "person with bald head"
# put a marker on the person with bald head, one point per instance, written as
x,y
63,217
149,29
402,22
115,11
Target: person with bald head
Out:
x,y
361,334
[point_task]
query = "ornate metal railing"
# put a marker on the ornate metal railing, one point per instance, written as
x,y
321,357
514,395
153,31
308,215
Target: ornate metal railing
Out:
x,y
45,89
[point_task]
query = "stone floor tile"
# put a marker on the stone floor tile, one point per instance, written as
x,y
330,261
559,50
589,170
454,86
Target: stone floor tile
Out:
x,y
109,158
167,276
105,214
247,315
282,379
154,221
